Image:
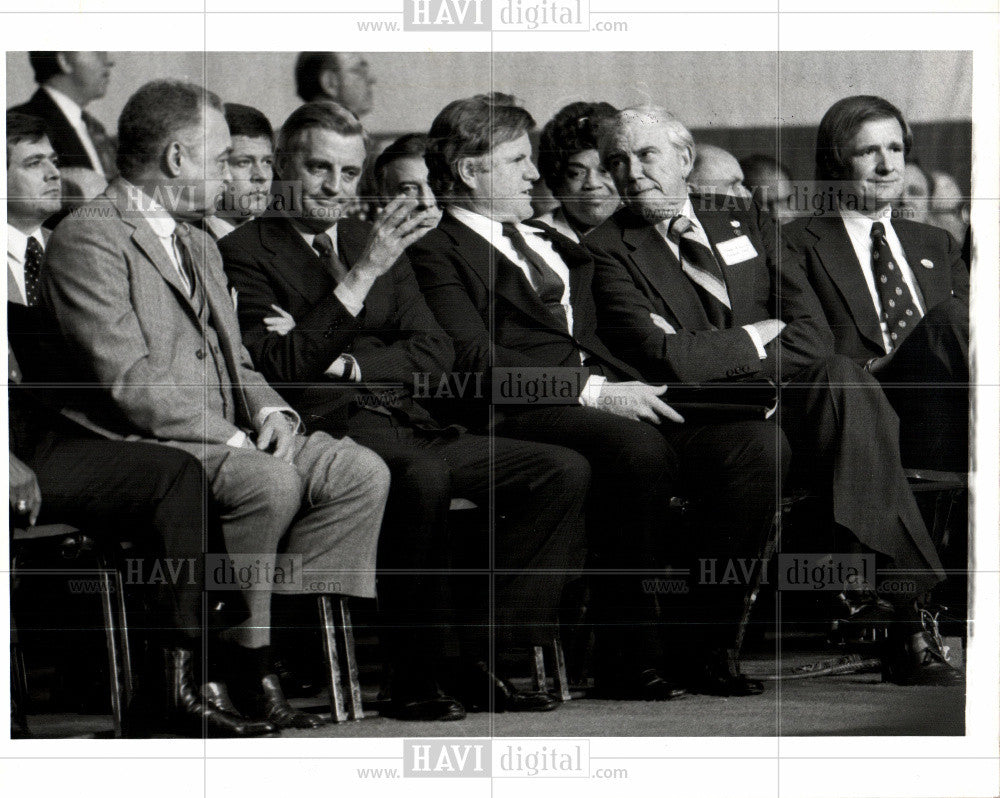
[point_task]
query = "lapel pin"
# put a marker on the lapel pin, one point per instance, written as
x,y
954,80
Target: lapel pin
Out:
x,y
734,222
927,264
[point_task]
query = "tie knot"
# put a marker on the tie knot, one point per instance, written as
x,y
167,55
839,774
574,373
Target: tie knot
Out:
x,y
33,249
510,230
182,231
323,244
878,231
678,226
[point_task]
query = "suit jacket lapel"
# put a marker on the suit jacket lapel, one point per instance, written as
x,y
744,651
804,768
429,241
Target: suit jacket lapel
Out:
x,y
297,263
836,253
149,243
498,274
932,282
661,269
738,277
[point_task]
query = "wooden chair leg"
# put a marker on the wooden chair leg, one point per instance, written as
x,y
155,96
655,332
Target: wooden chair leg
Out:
x,y
338,713
352,686
770,546
18,678
538,678
126,648
560,676
114,663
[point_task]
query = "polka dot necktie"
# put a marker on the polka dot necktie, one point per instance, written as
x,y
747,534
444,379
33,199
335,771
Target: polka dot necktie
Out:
x,y
899,312
32,272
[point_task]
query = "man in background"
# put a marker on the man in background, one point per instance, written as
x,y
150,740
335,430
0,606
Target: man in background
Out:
x,y
344,78
68,82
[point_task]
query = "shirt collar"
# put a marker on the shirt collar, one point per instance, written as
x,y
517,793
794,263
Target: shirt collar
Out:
x,y
148,208
71,110
854,219
309,236
687,209
488,228
17,241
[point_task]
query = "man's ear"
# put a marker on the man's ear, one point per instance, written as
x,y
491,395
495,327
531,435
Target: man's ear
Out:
x,y
687,160
65,65
329,81
467,169
173,156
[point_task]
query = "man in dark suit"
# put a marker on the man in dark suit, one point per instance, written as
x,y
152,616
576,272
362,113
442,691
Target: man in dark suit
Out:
x,y
61,472
140,297
516,299
68,82
362,346
692,289
908,326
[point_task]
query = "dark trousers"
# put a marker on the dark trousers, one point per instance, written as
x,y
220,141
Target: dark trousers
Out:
x,y
636,468
927,382
531,496
845,439
152,495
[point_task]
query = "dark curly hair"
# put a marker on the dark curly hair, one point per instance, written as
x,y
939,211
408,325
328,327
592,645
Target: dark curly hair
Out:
x,y
573,129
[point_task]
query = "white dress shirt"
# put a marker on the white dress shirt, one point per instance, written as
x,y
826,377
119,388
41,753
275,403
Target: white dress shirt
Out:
x,y
163,226
17,244
859,230
699,234
74,115
492,231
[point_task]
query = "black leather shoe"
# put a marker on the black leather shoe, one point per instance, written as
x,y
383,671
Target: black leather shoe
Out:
x,y
647,686
275,709
295,682
439,708
481,690
718,673
918,659
174,703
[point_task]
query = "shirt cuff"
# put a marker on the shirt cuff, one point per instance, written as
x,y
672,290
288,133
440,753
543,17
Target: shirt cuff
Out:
x,y
343,365
349,299
758,342
592,390
264,412
238,440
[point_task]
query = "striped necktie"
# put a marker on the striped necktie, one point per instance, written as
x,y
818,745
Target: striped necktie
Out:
x,y
701,267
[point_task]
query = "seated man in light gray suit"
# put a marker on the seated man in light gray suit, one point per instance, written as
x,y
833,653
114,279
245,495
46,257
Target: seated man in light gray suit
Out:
x,y
141,299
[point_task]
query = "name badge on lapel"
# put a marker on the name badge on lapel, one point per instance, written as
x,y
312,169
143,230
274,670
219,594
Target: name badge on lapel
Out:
x,y
736,250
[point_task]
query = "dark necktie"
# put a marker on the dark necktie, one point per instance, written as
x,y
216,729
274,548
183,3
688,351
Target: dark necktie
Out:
x,y
544,280
701,267
182,241
32,271
323,244
102,143
899,312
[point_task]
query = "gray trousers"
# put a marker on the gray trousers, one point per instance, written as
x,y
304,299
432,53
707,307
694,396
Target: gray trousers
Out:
x,y
322,512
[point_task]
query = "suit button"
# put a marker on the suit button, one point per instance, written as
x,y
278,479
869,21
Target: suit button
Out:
x,y
200,354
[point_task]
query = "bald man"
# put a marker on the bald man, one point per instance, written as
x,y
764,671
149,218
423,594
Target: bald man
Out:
x,y
716,171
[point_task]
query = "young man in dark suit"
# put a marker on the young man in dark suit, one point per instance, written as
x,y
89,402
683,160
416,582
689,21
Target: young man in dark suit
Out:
x,y
697,289
894,291
517,301
360,349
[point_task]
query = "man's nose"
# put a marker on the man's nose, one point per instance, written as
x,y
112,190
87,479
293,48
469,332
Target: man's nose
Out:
x,y
51,170
332,183
425,199
531,173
